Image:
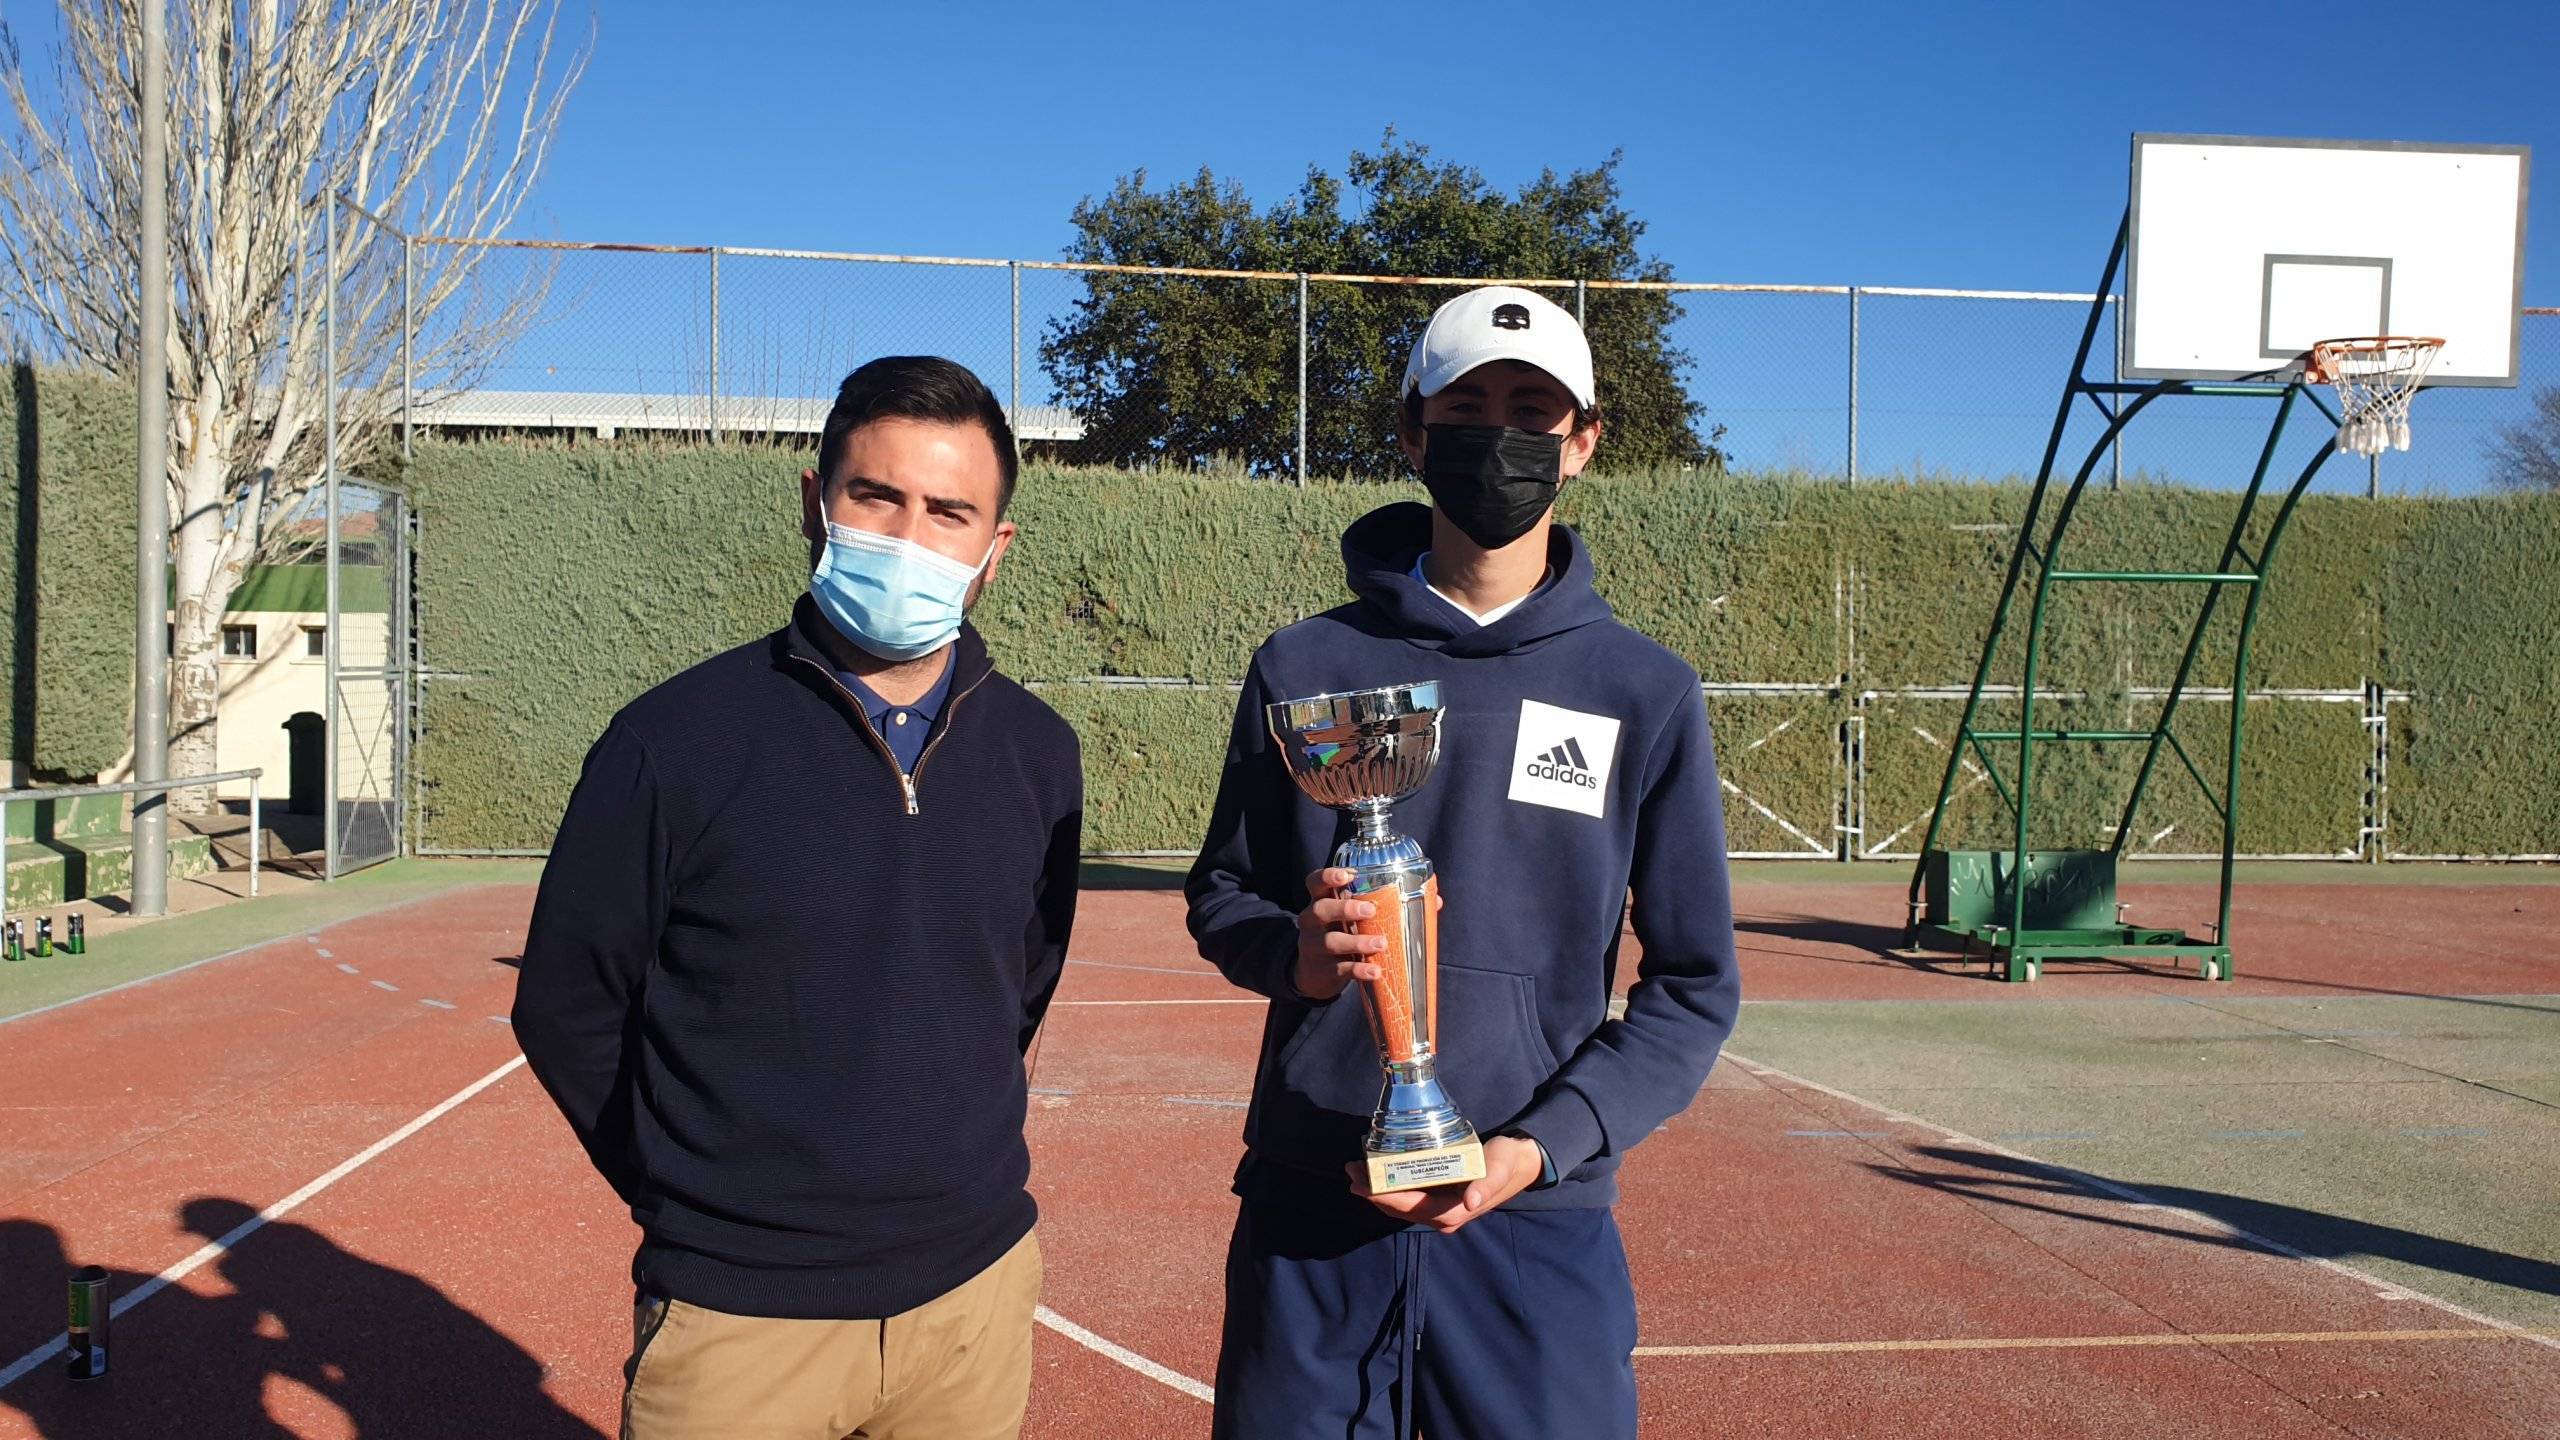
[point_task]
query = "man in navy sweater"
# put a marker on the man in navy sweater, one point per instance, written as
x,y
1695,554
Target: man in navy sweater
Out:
x,y
798,929
1575,764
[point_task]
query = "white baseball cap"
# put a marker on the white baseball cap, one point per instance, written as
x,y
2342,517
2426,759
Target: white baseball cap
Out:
x,y
1500,322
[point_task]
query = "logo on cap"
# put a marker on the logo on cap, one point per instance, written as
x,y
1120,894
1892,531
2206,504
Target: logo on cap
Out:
x,y
1510,317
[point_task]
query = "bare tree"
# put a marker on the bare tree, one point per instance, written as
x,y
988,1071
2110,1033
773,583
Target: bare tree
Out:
x,y
434,114
2526,455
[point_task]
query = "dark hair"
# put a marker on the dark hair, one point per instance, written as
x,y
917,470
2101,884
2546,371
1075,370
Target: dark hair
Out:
x,y
917,387
1584,416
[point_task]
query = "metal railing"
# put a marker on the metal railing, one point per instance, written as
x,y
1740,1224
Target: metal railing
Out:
x,y
39,794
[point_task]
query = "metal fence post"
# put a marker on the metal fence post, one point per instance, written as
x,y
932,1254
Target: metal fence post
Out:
x,y
1302,377
2115,448
151,533
408,355
1853,384
1579,290
333,637
2373,477
1013,411
714,414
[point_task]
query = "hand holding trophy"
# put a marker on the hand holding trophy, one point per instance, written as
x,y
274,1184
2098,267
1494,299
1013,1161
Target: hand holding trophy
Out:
x,y
1361,751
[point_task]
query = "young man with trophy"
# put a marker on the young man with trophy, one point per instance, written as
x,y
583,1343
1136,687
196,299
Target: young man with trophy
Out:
x,y
1474,718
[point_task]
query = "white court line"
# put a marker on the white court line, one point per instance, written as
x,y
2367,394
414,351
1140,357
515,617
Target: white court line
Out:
x,y
2387,1289
214,1250
1148,969
2089,1342
310,936
1110,1351
1054,1004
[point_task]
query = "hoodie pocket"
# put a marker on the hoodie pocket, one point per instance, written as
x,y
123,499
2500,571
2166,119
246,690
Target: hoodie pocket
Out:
x,y
1493,1052
1492,1059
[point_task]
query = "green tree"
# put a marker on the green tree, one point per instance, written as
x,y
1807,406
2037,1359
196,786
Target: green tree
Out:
x,y
1185,371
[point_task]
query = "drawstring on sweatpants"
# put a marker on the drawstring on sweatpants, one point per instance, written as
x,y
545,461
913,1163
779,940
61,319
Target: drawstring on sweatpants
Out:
x,y
1409,1317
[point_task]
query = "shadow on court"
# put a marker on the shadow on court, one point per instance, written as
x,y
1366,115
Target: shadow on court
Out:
x,y
2029,1186
1121,875
1852,935
308,1329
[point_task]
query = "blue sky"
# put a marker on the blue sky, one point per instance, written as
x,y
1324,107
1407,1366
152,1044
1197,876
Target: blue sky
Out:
x,y
1973,145
1965,146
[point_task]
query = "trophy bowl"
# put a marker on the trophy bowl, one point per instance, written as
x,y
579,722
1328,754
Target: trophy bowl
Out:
x,y
1360,749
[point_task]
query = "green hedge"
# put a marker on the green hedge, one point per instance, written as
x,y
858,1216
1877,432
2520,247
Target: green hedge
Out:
x,y
2470,627
66,571
557,581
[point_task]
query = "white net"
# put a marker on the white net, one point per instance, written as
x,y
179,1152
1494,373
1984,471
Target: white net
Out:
x,y
2375,378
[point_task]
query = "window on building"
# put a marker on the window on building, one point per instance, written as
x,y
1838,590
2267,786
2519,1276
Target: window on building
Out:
x,y
240,642
315,640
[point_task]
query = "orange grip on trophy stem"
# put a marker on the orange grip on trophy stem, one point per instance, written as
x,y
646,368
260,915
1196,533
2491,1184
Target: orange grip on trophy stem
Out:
x,y
1431,958
1390,999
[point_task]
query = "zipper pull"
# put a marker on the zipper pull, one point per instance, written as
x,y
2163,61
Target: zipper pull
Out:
x,y
910,782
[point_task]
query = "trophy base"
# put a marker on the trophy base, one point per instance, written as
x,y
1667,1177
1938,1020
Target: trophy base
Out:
x,y
1422,1169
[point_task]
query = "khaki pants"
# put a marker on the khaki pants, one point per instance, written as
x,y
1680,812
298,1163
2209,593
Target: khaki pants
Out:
x,y
957,1366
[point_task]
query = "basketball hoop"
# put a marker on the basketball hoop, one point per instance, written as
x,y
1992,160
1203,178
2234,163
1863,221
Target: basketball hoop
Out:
x,y
2375,376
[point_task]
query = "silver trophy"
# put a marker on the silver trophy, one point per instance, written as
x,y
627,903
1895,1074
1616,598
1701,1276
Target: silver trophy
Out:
x,y
1362,751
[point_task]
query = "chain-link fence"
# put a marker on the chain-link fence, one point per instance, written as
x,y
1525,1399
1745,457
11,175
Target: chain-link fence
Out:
x,y
1286,375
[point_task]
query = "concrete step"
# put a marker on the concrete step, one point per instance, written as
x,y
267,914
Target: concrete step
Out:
x,y
84,815
43,873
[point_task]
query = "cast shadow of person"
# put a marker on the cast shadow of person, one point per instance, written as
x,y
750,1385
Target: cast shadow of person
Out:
x,y
384,1348
214,1388
2318,1234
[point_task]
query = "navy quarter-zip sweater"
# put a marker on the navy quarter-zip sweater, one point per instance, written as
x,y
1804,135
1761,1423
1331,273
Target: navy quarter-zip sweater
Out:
x,y
1575,764
782,990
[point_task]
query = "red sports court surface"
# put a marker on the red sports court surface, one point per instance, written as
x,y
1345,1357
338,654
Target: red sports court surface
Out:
x,y
440,1261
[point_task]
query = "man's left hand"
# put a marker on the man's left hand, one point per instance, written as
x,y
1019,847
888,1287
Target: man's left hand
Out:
x,y
1511,1165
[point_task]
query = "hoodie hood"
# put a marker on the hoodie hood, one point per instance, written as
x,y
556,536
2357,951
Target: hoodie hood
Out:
x,y
1378,552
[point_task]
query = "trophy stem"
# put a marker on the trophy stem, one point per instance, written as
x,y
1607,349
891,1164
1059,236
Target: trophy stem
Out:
x,y
1371,816
1414,1113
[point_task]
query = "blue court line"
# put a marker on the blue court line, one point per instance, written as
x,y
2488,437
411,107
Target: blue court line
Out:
x,y
1049,1090
1204,1100
441,1004
386,985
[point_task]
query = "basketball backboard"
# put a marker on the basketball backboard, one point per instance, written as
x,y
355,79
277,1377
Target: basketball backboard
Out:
x,y
2243,251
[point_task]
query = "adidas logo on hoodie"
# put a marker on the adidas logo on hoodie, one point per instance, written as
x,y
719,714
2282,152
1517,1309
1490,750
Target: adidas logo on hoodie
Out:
x,y
1564,763
1561,758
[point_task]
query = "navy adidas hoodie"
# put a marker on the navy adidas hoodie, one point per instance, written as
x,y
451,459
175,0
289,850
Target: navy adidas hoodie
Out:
x,y
1575,763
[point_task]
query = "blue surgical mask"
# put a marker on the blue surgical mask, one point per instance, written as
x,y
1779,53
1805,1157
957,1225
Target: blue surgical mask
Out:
x,y
893,597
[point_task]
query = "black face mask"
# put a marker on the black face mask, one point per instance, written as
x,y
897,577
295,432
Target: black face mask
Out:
x,y
1492,482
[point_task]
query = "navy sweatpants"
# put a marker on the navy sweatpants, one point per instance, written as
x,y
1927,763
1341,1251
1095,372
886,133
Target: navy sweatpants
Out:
x,y
1522,1323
